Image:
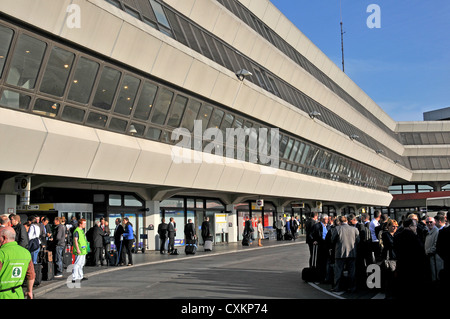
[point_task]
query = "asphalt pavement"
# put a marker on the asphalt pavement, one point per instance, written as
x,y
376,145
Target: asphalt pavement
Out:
x,y
316,290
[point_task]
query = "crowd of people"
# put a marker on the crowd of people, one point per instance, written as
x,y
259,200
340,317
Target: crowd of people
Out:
x,y
39,239
413,253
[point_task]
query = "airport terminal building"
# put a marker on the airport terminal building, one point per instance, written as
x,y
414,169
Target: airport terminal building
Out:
x,y
192,108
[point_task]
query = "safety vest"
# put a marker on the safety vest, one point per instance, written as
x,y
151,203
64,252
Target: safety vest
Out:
x,y
15,260
82,242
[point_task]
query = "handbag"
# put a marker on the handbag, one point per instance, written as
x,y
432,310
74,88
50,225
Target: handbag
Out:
x,y
33,244
389,264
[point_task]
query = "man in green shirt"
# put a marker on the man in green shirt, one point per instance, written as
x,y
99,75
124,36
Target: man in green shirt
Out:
x,y
80,250
15,266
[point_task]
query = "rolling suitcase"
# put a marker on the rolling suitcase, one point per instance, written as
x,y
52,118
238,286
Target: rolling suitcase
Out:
x,y
112,258
48,271
208,244
311,274
67,257
191,247
246,240
38,273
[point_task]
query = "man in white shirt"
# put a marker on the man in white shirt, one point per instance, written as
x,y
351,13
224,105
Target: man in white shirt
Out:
x,y
376,248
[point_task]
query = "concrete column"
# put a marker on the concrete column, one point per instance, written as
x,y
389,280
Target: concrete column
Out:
x,y
152,217
8,204
232,220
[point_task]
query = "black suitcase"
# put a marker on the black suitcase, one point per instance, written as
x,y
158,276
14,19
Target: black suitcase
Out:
x,y
311,274
190,249
112,259
48,271
246,240
67,259
38,273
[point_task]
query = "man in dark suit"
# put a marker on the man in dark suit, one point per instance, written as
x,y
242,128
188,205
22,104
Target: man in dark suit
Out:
x,y
171,228
443,250
309,225
118,232
345,239
411,260
162,232
97,244
206,233
189,231
317,237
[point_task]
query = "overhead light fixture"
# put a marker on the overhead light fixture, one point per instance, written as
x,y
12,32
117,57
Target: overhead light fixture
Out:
x,y
242,74
379,151
314,114
396,161
132,130
354,137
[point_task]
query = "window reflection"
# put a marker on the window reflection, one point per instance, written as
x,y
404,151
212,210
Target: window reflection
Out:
x,y
15,100
57,72
161,107
127,95
73,114
106,88
46,108
27,59
96,119
177,110
145,102
6,36
83,80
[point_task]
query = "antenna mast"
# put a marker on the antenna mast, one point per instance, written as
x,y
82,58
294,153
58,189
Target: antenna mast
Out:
x,y
342,38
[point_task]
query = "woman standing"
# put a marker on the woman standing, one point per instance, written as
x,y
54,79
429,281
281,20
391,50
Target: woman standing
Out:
x,y
128,237
387,238
260,232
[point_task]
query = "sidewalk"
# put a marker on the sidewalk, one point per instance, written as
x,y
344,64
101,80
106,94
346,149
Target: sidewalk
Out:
x,y
152,257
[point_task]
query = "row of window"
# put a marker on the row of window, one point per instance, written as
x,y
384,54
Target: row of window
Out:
x,y
425,138
87,91
202,41
244,14
410,189
429,163
309,159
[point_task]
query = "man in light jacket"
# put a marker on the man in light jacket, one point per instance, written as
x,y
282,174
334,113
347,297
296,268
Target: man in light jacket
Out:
x,y
345,239
435,261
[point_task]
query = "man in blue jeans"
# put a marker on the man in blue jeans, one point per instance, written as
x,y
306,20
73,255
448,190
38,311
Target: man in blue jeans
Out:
x,y
59,239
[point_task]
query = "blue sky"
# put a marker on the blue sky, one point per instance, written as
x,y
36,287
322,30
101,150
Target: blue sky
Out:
x,y
404,65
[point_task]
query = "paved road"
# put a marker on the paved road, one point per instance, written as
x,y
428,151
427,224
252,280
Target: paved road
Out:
x,y
272,272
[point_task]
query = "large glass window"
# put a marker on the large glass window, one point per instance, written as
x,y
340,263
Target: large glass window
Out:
x,y
106,89
6,36
26,62
204,115
57,72
159,13
145,102
127,95
83,80
176,111
161,107
190,115
216,118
